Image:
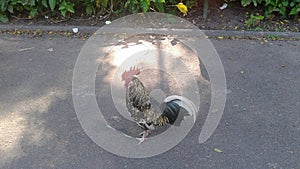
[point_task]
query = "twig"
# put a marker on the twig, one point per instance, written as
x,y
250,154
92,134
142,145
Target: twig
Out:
x,y
21,18
59,21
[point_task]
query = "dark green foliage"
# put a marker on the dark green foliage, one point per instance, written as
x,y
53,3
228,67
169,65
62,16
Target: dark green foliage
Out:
x,y
65,7
282,7
254,20
32,8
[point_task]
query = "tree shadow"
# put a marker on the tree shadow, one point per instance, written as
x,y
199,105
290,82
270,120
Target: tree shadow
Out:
x,y
108,82
40,129
37,116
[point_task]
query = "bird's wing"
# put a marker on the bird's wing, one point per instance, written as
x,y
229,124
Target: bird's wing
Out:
x,y
137,100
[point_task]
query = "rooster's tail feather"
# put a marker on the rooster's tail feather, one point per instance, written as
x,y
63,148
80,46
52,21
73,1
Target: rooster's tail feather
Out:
x,y
183,102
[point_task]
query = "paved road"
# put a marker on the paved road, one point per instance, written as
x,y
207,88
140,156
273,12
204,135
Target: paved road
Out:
x,y
259,128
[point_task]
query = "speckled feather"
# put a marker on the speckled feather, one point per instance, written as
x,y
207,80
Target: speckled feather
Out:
x,y
139,105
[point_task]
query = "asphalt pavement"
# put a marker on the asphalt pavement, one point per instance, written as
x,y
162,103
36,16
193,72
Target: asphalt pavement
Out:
x,y
260,126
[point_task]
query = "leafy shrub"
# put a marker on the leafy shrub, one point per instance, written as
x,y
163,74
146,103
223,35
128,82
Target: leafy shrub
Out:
x,y
17,5
31,8
135,6
254,20
283,7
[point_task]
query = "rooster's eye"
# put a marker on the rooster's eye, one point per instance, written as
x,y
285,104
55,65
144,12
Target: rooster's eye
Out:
x,y
130,83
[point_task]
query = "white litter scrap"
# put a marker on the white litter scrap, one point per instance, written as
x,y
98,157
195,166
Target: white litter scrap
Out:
x,y
107,22
75,30
25,49
224,6
50,49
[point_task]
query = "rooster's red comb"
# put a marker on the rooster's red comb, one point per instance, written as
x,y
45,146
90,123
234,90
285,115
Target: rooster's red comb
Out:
x,y
132,71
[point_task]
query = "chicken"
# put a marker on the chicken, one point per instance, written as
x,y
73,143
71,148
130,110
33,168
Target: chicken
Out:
x,y
139,105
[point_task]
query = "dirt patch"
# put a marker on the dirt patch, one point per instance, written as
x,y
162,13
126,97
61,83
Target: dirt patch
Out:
x,y
234,17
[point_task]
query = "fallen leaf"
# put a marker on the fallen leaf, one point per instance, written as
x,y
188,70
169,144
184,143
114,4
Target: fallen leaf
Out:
x,y
182,8
218,150
220,37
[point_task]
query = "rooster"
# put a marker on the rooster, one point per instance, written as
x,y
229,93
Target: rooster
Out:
x,y
139,105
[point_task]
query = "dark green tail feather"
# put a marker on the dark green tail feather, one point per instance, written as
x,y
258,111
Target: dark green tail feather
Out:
x,y
171,111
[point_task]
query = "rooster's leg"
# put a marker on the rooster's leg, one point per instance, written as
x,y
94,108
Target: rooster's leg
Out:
x,y
147,132
144,137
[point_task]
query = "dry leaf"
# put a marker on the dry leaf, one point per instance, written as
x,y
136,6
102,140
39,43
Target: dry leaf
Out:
x,y
218,150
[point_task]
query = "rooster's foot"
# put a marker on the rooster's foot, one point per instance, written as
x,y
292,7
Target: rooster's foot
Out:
x,y
145,133
144,136
141,140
